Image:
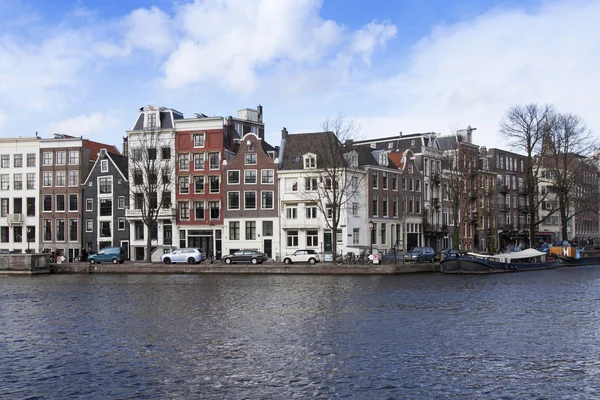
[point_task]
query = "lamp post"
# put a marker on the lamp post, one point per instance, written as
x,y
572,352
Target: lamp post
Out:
x,y
371,238
28,232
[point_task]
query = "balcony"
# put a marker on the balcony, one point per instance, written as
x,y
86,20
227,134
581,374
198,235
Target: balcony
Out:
x,y
503,189
436,178
15,219
163,213
435,201
301,223
435,228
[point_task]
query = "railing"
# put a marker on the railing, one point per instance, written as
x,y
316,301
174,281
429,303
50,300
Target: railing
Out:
x,y
15,219
162,213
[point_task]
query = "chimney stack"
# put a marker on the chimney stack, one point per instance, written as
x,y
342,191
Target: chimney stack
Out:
x,y
260,113
284,133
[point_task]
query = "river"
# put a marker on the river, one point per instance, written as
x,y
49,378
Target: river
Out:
x,y
424,336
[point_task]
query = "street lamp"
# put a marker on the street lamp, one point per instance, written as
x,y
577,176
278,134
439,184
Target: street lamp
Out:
x,y
371,238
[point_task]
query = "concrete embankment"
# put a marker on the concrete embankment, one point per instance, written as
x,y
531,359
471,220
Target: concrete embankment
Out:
x,y
265,268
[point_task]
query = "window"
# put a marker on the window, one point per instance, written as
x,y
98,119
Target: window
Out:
x,y
395,206
184,185
60,202
61,157
355,209
250,230
184,162
18,181
292,238
47,203
4,207
312,212
250,200
250,159
31,181
375,178
199,210
199,140
312,238
136,154
165,153
105,229
403,183
198,184
383,233
138,177
329,211
418,205
105,185
31,160
47,159
233,177
73,178
384,206
411,186
121,226
61,177
267,228
410,169
267,200
17,205
166,199
138,230
89,225
310,161
250,144
89,205
152,153
31,207
418,185
213,160
394,182
74,157
47,230
198,161
291,212
310,184
214,209
375,203
73,202
5,161
60,230
234,230
338,236
267,176
18,234
250,176
385,180
73,230
4,234
5,181
103,165
214,184
233,200
105,207
18,160
121,202
184,210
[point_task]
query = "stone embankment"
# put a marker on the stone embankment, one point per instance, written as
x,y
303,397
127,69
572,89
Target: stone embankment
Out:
x,y
265,268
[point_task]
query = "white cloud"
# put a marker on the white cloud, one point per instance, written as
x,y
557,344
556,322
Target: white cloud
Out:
x,y
471,73
149,30
96,126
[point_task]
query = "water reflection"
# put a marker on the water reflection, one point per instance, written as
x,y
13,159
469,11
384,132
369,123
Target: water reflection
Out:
x,y
418,336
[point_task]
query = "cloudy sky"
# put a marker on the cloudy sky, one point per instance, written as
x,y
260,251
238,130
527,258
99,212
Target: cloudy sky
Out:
x,y
85,67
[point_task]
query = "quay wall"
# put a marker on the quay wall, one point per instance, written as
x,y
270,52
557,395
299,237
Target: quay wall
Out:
x,y
24,264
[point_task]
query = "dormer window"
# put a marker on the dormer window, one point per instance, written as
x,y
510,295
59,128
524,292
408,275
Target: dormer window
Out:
x,y
383,159
310,161
151,120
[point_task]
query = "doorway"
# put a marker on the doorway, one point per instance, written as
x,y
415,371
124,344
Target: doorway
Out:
x,y
268,247
327,242
125,247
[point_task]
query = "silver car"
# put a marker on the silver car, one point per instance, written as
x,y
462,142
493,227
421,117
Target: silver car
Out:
x,y
190,256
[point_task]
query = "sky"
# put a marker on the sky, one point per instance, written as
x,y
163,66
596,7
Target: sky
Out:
x,y
84,67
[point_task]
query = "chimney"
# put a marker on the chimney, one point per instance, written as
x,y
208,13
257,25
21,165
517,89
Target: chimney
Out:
x,y
229,129
470,134
125,146
349,143
260,113
284,134
400,133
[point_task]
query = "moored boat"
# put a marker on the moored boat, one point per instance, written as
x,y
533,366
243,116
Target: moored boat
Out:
x,y
573,256
473,263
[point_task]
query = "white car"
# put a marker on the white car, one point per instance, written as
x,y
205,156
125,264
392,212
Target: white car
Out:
x,y
303,256
190,256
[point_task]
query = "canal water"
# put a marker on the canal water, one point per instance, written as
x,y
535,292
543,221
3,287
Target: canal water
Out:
x,y
529,335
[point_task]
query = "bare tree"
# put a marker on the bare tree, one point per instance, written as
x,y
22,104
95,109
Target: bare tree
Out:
x,y
523,128
336,181
455,189
568,168
153,175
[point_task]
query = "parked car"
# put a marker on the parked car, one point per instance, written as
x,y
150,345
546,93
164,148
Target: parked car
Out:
x,y
544,247
190,256
420,254
448,253
108,254
309,256
245,256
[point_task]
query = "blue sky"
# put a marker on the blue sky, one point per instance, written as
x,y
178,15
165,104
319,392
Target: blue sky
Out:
x,y
86,67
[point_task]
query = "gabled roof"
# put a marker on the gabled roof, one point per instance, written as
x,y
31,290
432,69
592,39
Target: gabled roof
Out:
x,y
167,117
298,144
94,148
120,163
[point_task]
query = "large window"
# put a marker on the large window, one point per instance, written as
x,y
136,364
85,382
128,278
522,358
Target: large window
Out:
x,y
184,162
89,205
267,228
61,157
198,161
250,230
105,229
105,207
184,210
267,200
60,230
233,200
199,210
312,212
292,238
250,176
198,184
31,206
47,203
312,238
74,157
72,230
199,140
5,181
165,153
31,181
214,160
4,207
250,159
291,212
184,184
5,160
105,185
18,160
73,202
31,160
267,176
47,230
47,159
73,178
61,178
18,181
60,202
250,200
234,230
233,177
4,234
89,225
214,184
214,209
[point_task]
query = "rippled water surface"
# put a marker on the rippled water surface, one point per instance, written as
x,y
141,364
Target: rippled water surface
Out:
x,y
514,336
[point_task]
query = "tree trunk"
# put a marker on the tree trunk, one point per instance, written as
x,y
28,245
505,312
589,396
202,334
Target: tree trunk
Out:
x,y
149,245
563,222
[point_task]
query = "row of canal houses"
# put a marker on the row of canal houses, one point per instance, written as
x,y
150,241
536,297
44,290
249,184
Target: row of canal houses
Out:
x,y
229,189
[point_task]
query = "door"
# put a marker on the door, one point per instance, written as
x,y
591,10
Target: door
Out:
x,y
125,247
268,247
328,246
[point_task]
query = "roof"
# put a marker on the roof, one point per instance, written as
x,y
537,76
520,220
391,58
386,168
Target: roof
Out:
x,y
94,148
167,118
120,162
298,144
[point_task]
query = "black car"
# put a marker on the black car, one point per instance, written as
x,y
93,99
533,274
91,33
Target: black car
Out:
x,y
448,253
245,257
420,254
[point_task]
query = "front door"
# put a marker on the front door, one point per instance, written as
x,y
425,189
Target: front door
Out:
x,y
125,247
268,247
327,243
